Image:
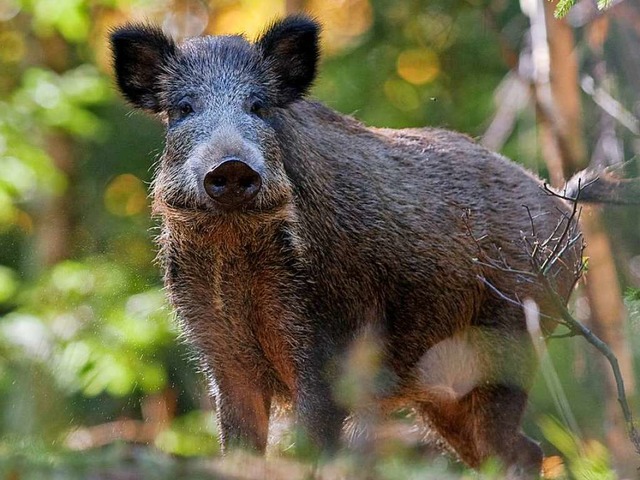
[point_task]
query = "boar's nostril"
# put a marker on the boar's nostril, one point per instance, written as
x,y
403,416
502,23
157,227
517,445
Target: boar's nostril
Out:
x,y
247,182
218,181
232,183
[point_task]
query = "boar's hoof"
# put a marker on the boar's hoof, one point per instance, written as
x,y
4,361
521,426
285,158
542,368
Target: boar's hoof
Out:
x,y
232,183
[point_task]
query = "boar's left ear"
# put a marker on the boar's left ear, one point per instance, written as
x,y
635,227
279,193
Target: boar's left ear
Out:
x,y
290,49
140,54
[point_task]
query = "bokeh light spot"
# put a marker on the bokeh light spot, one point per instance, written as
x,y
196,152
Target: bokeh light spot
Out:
x,y
418,66
13,47
125,196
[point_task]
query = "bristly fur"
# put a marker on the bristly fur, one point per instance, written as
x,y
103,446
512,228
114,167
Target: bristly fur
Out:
x,y
354,230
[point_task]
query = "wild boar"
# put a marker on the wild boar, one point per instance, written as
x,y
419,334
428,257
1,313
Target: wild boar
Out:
x,y
289,230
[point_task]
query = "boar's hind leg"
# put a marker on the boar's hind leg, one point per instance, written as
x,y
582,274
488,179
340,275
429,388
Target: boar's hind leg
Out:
x,y
485,424
243,415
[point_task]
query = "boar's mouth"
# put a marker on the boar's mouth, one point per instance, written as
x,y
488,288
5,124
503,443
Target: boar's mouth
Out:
x,y
212,209
188,208
209,208
182,205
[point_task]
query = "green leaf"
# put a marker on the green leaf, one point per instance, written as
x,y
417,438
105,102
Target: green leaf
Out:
x,y
603,4
563,7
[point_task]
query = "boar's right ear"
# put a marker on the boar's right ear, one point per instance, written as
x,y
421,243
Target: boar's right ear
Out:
x,y
140,53
290,49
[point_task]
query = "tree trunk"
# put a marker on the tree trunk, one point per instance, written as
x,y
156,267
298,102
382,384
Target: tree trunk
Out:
x,y
55,219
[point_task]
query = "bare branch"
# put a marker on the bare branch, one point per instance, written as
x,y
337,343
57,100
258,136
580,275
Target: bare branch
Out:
x,y
544,255
506,269
578,328
572,222
511,96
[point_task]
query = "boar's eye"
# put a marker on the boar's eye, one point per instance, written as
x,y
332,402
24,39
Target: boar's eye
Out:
x,y
257,107
181,110
185,107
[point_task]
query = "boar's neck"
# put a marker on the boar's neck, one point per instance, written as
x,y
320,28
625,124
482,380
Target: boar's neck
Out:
x,y
332,162
327,157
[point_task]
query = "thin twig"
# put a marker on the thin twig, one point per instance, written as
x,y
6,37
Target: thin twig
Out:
x,y
497,291
558,246
533,227
524,273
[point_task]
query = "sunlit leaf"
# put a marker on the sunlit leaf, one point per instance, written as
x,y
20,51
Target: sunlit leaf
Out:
x,y
585,460
28,334
73,277
563,6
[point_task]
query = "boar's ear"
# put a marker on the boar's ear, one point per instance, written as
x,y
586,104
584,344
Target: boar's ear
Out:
x,y
290,49
140,53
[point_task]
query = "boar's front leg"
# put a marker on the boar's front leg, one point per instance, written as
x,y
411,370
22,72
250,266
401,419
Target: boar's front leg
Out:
x,y
243,413
227,353
318,413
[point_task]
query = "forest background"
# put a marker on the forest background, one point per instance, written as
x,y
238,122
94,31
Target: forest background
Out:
x,y
90,360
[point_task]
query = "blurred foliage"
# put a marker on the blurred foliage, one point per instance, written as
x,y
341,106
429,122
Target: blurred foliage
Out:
x,y
86,339
37,462
585,461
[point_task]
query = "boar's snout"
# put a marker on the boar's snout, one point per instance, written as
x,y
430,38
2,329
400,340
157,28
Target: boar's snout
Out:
x,y
232,183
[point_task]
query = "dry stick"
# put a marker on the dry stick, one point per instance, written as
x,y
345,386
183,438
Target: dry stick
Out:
x,y
569,237
574,325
